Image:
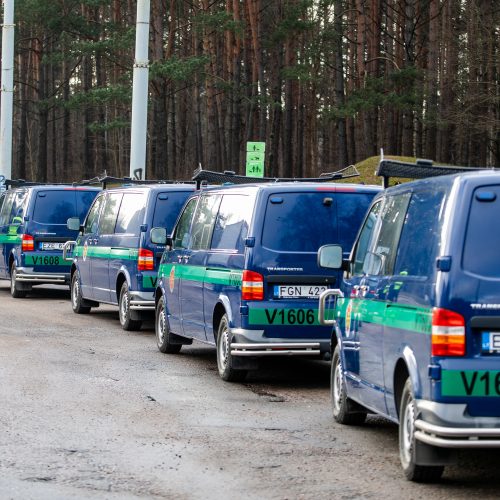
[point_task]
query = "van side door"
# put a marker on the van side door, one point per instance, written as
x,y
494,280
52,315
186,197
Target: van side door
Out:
x,y
194,267
351,305
85,245
171,265
374,288
102,248
5,236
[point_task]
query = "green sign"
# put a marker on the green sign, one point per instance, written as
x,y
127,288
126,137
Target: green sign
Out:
x,y
256,147
255,169
255,159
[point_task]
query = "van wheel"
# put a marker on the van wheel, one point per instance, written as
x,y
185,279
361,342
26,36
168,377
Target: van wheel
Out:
x,y
15,290
77,300
162,330
341,404
127,323
407,417
224,358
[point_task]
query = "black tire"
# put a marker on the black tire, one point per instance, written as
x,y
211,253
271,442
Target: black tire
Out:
x,y
126,321
77,301
162,330
224,358
15,290
342,406
407,417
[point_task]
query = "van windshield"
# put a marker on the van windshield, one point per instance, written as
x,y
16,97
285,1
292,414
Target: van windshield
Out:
x,y
482,239
56,207
302,222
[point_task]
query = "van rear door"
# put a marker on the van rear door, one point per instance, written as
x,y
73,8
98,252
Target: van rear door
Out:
x,y
295,224
474,293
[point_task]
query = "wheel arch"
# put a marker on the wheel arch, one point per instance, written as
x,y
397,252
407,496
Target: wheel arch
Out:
x,y
406,366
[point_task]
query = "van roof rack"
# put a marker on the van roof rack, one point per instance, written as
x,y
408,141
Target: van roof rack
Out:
x,y
228,176
109,181
418,170
15,183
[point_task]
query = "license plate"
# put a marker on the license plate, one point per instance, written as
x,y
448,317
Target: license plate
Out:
x,y
298,291
490,342
51,245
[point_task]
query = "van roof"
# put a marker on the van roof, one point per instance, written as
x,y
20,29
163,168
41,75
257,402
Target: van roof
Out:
x,y
153,187
297,187
477,176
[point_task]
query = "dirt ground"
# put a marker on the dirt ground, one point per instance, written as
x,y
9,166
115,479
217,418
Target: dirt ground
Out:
x,y
90,411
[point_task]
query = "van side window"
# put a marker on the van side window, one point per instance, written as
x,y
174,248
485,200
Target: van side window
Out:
x,y
131,214
110,213
93,216
17,208
231,226
181,235
365,238
393,217
482,238
203,222
419,243
6,209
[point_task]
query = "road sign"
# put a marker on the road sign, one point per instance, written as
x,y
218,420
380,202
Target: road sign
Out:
x,y
256,152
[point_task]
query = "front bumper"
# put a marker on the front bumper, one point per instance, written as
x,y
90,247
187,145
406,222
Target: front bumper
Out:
x,y
253,343
449,426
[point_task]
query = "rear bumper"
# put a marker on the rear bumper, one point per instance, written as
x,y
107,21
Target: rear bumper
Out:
x,y
26,275
253,343
449,426
142,301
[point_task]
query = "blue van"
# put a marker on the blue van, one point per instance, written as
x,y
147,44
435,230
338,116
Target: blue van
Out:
x,y
33,232
240,270
416,334
113,260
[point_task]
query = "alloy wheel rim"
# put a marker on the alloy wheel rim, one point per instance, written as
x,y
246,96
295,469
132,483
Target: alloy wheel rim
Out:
x,y
337,387
407,431
74,295
13,281
224,348
160,330
124,307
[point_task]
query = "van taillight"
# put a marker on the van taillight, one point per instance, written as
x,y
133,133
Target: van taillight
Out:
x,y
252,286
145,260
448,333
27,243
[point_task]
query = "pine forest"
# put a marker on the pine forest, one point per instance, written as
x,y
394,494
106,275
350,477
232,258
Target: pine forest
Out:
x,y
325,83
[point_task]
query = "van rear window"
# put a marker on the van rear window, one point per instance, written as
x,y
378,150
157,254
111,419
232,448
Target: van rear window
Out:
x,y
56,207
167,208
302,222
482,239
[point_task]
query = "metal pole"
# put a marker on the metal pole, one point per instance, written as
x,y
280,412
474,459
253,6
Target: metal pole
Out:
x,y
7,89
140,93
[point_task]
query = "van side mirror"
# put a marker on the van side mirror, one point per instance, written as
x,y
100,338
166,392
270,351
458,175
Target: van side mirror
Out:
x,y
330,257
158,236
73,223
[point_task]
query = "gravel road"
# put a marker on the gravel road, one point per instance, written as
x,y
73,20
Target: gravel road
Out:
x,y
90,411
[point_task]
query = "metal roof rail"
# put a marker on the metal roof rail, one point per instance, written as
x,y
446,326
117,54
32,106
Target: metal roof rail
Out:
x,y
418,170
109,181
228,176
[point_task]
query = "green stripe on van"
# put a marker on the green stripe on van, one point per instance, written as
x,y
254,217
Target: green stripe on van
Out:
x,y
10,238
216,276
107,252
390,314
